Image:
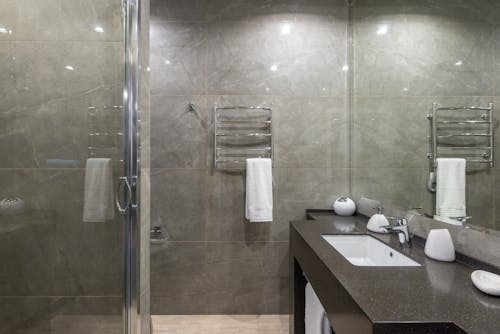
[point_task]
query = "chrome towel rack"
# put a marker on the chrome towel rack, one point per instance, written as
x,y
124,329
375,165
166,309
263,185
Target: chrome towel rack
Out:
x,y
466,132
241,132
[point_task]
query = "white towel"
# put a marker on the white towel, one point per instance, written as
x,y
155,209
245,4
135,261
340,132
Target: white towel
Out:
x,y
450,188
98,203
259,190
315,320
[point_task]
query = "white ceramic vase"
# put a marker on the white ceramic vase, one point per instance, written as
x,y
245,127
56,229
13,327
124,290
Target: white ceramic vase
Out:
x,y
344,206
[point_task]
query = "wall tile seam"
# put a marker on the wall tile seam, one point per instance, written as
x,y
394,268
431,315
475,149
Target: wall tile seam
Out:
x,y
211,241
31,296
50,41
159,19
221,241
43,169
357,96
243,94
210,22
242,174
222,171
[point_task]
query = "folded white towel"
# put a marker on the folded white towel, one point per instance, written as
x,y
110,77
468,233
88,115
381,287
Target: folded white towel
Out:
x,y
450,187
315,320
98,203
259,190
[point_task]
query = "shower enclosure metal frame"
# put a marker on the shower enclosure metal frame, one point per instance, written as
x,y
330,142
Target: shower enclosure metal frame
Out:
x,y
131,167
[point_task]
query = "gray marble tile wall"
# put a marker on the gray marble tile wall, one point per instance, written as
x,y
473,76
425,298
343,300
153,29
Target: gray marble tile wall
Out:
x,y
287,53
57,59
407,55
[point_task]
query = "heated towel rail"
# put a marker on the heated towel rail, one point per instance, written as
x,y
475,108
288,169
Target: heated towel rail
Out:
x,y
241,132
105,132
465,132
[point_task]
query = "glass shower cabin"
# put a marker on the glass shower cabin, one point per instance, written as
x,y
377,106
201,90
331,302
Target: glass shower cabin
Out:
x,y
69,154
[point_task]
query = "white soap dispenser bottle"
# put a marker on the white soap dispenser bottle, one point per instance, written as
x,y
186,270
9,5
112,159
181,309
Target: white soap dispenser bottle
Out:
x,y
377,221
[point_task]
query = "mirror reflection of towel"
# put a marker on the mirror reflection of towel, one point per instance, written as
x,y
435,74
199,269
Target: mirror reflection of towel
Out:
x,y
450,187
98,205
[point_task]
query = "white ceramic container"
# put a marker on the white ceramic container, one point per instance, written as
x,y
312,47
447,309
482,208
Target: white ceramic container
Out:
x,y
344,206
439,246
486,282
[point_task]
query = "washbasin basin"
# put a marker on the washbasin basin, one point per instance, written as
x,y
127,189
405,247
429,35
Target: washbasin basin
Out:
x,y
367,251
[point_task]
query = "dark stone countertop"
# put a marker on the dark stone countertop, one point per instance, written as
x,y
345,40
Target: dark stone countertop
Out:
x,y
435,292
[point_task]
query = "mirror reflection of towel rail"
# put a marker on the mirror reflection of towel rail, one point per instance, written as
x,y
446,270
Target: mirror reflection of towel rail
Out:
x,y
465,135
473,127
463,108
243,135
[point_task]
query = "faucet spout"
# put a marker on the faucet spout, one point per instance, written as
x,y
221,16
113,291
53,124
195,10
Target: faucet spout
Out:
x,y
402,229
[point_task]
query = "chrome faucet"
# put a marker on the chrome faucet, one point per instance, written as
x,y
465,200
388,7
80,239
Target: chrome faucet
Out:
x,y
463,219
402,229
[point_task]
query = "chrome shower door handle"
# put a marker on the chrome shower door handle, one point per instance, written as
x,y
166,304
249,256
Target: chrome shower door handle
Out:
x,y
123,182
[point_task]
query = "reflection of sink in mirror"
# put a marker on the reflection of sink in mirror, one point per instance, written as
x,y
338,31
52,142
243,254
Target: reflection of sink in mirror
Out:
x,y
365,250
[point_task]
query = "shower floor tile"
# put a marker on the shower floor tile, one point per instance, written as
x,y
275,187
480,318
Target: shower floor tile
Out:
x,y
220,324
86,324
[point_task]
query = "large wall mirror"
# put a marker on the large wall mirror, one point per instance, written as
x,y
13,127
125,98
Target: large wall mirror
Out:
x,y
413,59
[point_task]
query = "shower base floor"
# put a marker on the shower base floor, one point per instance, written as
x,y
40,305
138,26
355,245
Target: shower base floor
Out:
x,y
220,324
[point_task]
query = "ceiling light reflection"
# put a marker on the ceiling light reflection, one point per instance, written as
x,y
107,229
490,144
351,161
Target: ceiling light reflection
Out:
x,y
4,30
382,29
286,29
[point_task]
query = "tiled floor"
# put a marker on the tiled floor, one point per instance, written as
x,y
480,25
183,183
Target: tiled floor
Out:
x,y
220,324
91,324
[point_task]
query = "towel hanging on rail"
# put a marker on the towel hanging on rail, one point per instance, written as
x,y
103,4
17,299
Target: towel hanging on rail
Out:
x,y
259,190
450,188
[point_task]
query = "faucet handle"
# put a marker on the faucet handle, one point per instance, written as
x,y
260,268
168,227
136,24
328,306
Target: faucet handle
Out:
x,y
463,219
400,221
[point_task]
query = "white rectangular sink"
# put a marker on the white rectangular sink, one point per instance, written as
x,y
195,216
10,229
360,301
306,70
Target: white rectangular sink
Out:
x,y
365,250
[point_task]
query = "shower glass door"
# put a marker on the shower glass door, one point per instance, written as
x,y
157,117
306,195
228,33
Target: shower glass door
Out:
x,y
64,247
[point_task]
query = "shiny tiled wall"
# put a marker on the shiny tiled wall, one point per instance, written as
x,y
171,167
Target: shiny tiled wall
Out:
x,y
55,62
407,55
290,54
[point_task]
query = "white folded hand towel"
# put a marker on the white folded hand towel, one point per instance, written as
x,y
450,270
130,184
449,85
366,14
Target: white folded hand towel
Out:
x,y
259,190
450,187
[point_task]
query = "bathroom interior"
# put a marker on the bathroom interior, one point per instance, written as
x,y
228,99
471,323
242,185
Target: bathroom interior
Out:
x,y
253,166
